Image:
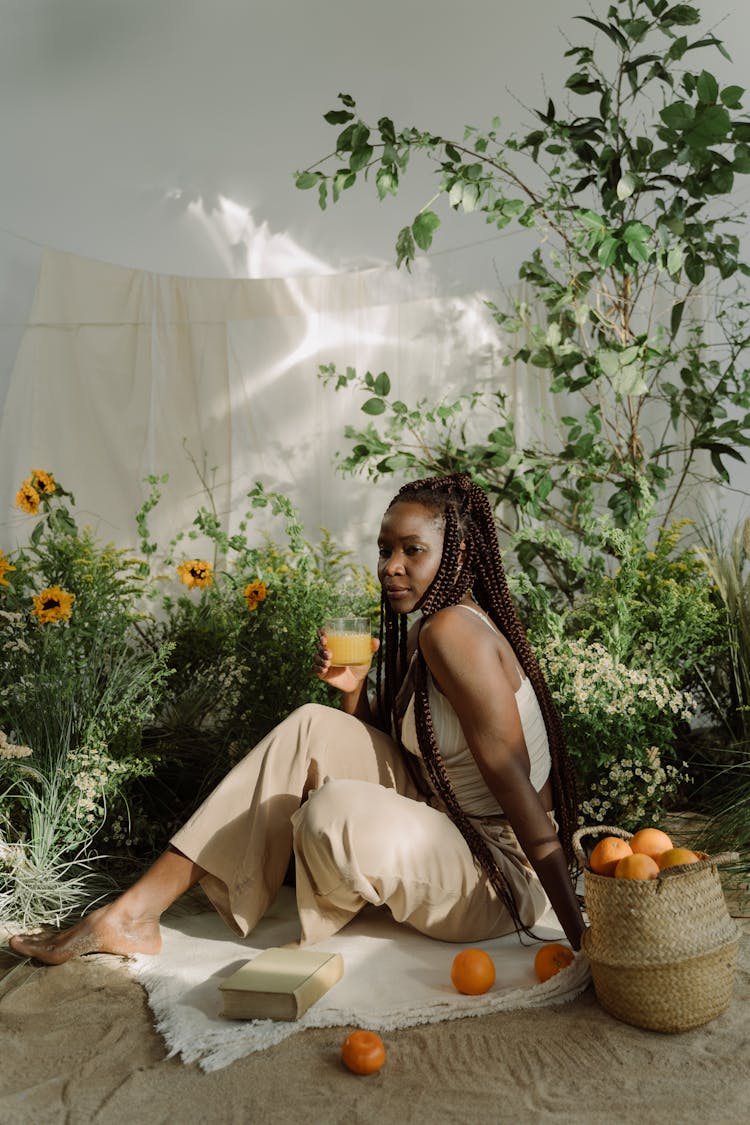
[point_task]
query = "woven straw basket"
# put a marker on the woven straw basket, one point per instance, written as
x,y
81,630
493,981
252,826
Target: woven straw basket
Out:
x,y
662,951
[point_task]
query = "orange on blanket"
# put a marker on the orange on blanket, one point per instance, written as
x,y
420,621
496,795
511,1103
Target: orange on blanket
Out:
x,y
473,972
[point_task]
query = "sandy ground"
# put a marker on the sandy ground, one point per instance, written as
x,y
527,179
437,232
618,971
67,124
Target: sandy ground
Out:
x,y
77,1045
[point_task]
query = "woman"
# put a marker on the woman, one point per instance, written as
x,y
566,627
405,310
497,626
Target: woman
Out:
x,y
451,801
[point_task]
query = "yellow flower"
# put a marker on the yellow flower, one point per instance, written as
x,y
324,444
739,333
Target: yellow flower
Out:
x,y
27,498
255,592
53,604
4,568
196,572
43,482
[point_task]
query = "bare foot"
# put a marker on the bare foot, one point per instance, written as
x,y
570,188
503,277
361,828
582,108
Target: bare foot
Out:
x,y
105,930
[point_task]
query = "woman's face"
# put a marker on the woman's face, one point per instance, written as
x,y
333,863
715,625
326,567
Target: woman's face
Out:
x,y
410,546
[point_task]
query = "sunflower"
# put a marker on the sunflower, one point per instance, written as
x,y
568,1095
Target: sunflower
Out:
x,y
43,482
53,604
4,568
27,498
255,592
196,572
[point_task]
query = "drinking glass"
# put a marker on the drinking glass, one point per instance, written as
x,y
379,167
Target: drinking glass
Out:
x,y
348,640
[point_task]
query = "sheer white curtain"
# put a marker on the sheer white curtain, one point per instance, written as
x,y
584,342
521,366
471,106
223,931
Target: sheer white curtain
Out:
x,y
122,373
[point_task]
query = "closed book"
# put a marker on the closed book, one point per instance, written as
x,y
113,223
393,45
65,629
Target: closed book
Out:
x,y
280,984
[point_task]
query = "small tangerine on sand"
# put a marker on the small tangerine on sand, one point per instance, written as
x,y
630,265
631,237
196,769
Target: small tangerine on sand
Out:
x,y
473,972
674,857
551,958
650,841
363,1052
607,854
637,866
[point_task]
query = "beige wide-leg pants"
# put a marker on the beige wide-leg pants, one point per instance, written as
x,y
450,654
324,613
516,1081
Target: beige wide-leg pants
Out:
x,y
337,792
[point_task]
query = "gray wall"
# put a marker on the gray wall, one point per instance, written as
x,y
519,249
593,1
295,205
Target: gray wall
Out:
x,y
162,134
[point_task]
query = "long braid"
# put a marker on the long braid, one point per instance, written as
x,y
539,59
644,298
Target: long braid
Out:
x,y
491,591
471,561
439,776
393,634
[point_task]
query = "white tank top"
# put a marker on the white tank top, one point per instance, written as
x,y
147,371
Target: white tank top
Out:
x,y
466,779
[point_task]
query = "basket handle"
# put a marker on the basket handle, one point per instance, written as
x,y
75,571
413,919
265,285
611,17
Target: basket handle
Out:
x,y
595,830
710,861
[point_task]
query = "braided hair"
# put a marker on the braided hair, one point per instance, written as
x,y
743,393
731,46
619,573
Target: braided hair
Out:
x,y
470,562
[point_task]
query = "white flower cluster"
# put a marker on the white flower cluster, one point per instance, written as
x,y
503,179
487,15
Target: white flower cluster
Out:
x,y
631,788
119,832
94,772
10,750
593,680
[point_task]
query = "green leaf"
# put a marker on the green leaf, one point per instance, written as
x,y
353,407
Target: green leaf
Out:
x,y
337,116
382,384
636,232
387,130
674,262
61,523
609,362
405,248
395,463
593,221
360,157
345,138
342,180
678,115
695,268
707,87
580,83
638,251
386,181
347,99
423,228
609,30
676,317
741,162
719,466
470,197
723,179
625,186
678,48
635,29
373,406
456,193
629,381
307,180
607,251
681,15
731,97
711,125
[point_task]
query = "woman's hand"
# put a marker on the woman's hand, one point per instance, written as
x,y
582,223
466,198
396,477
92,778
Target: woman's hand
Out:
x,y
347,678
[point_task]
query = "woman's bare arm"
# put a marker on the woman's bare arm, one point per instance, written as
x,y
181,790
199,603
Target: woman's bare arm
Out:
x,y
465,659
350,680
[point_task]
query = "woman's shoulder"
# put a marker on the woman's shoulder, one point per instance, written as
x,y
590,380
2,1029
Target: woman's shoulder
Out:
x,y
467,643
457,626
461,617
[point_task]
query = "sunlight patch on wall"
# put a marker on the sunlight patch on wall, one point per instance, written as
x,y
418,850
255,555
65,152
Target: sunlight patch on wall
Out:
x,y
251,249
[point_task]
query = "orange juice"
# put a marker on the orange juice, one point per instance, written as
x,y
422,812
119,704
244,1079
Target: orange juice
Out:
x,y
348,640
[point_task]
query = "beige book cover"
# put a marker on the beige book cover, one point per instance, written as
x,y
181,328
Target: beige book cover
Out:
x,y
280,984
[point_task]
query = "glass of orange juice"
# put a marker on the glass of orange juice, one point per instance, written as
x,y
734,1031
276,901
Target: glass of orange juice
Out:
x,y
348,640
